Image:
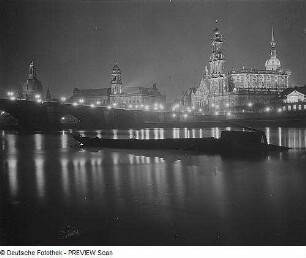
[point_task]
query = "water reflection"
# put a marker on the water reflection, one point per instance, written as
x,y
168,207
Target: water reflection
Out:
x,y
200,193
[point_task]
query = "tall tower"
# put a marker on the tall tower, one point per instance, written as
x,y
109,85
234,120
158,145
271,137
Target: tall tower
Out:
x,y
273,63
116,83
32,71
216,62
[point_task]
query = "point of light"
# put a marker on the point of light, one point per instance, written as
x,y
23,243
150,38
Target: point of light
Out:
x,y
98,102
63,99
279,110
109,107
200,110
81,100
216,113
63,118
250,104
74,104
267,109
37,96
92,105
228,113
227,105
185,115
173,115
130,106
12,98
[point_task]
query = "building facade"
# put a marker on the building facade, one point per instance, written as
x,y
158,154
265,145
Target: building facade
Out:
x,y
239,90
117,95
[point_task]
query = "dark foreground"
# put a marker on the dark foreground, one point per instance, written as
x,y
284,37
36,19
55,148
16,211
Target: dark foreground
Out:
x,y
52,194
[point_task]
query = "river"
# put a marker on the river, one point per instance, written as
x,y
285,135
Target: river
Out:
x,y
54,193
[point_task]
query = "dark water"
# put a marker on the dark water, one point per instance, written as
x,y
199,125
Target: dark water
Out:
x,y
54,194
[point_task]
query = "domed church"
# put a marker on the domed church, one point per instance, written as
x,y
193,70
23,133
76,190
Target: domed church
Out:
x,y
33,88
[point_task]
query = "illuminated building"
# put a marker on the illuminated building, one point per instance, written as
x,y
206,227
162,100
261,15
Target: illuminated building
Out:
x,y
32,89
245,89
118,95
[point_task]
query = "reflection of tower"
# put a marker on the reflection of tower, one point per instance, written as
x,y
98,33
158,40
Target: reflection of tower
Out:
x,y
273,63
216,62
116,83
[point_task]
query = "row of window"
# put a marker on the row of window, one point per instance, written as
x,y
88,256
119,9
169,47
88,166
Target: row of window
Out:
x,y
294,107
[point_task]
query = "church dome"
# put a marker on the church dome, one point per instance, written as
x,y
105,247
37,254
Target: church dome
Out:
x,y
273,63
33,86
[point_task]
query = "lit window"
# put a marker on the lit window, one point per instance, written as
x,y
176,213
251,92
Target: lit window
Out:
x,y
294,107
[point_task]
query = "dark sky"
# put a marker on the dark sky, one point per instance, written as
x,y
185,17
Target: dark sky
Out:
x,y
75,44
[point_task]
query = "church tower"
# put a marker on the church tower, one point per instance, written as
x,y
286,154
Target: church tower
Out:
x,y
116,82
216,62
273,63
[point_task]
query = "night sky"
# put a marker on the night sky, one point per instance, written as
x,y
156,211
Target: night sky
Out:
x,y
76,44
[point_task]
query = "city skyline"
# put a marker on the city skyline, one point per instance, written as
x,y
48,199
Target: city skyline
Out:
x,y
161,42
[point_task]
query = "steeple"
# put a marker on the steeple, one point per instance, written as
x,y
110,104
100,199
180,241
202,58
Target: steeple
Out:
x,y
32,71
273,63
273,44
216,58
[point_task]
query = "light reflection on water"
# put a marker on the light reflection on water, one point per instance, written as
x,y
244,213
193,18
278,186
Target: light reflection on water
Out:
x,y
161,186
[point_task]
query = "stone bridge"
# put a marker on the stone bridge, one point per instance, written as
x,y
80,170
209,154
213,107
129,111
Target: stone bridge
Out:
x,y
46,116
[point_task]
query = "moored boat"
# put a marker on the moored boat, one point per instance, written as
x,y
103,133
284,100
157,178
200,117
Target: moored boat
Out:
x,y
229,142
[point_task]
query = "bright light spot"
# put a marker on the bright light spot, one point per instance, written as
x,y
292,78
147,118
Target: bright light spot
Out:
x,y
217,106
74,104
212,104
147,107
173,115
92,105
155,104
63,118
228,113
243,111
130,106
81,100
114,104
279,110
161,106
63,99
10,93
12,98
193,107
141,105
38,100
109,107
2,112
200,110
185,115
227,104
37,96
250,104
216,113
155,108
98,102
136,106
267,109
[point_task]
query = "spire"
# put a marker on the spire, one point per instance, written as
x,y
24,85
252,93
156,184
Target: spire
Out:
x,y
32,71
273,44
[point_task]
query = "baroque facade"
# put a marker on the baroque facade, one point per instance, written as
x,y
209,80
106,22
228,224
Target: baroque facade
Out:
x,y
239,89
118,95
